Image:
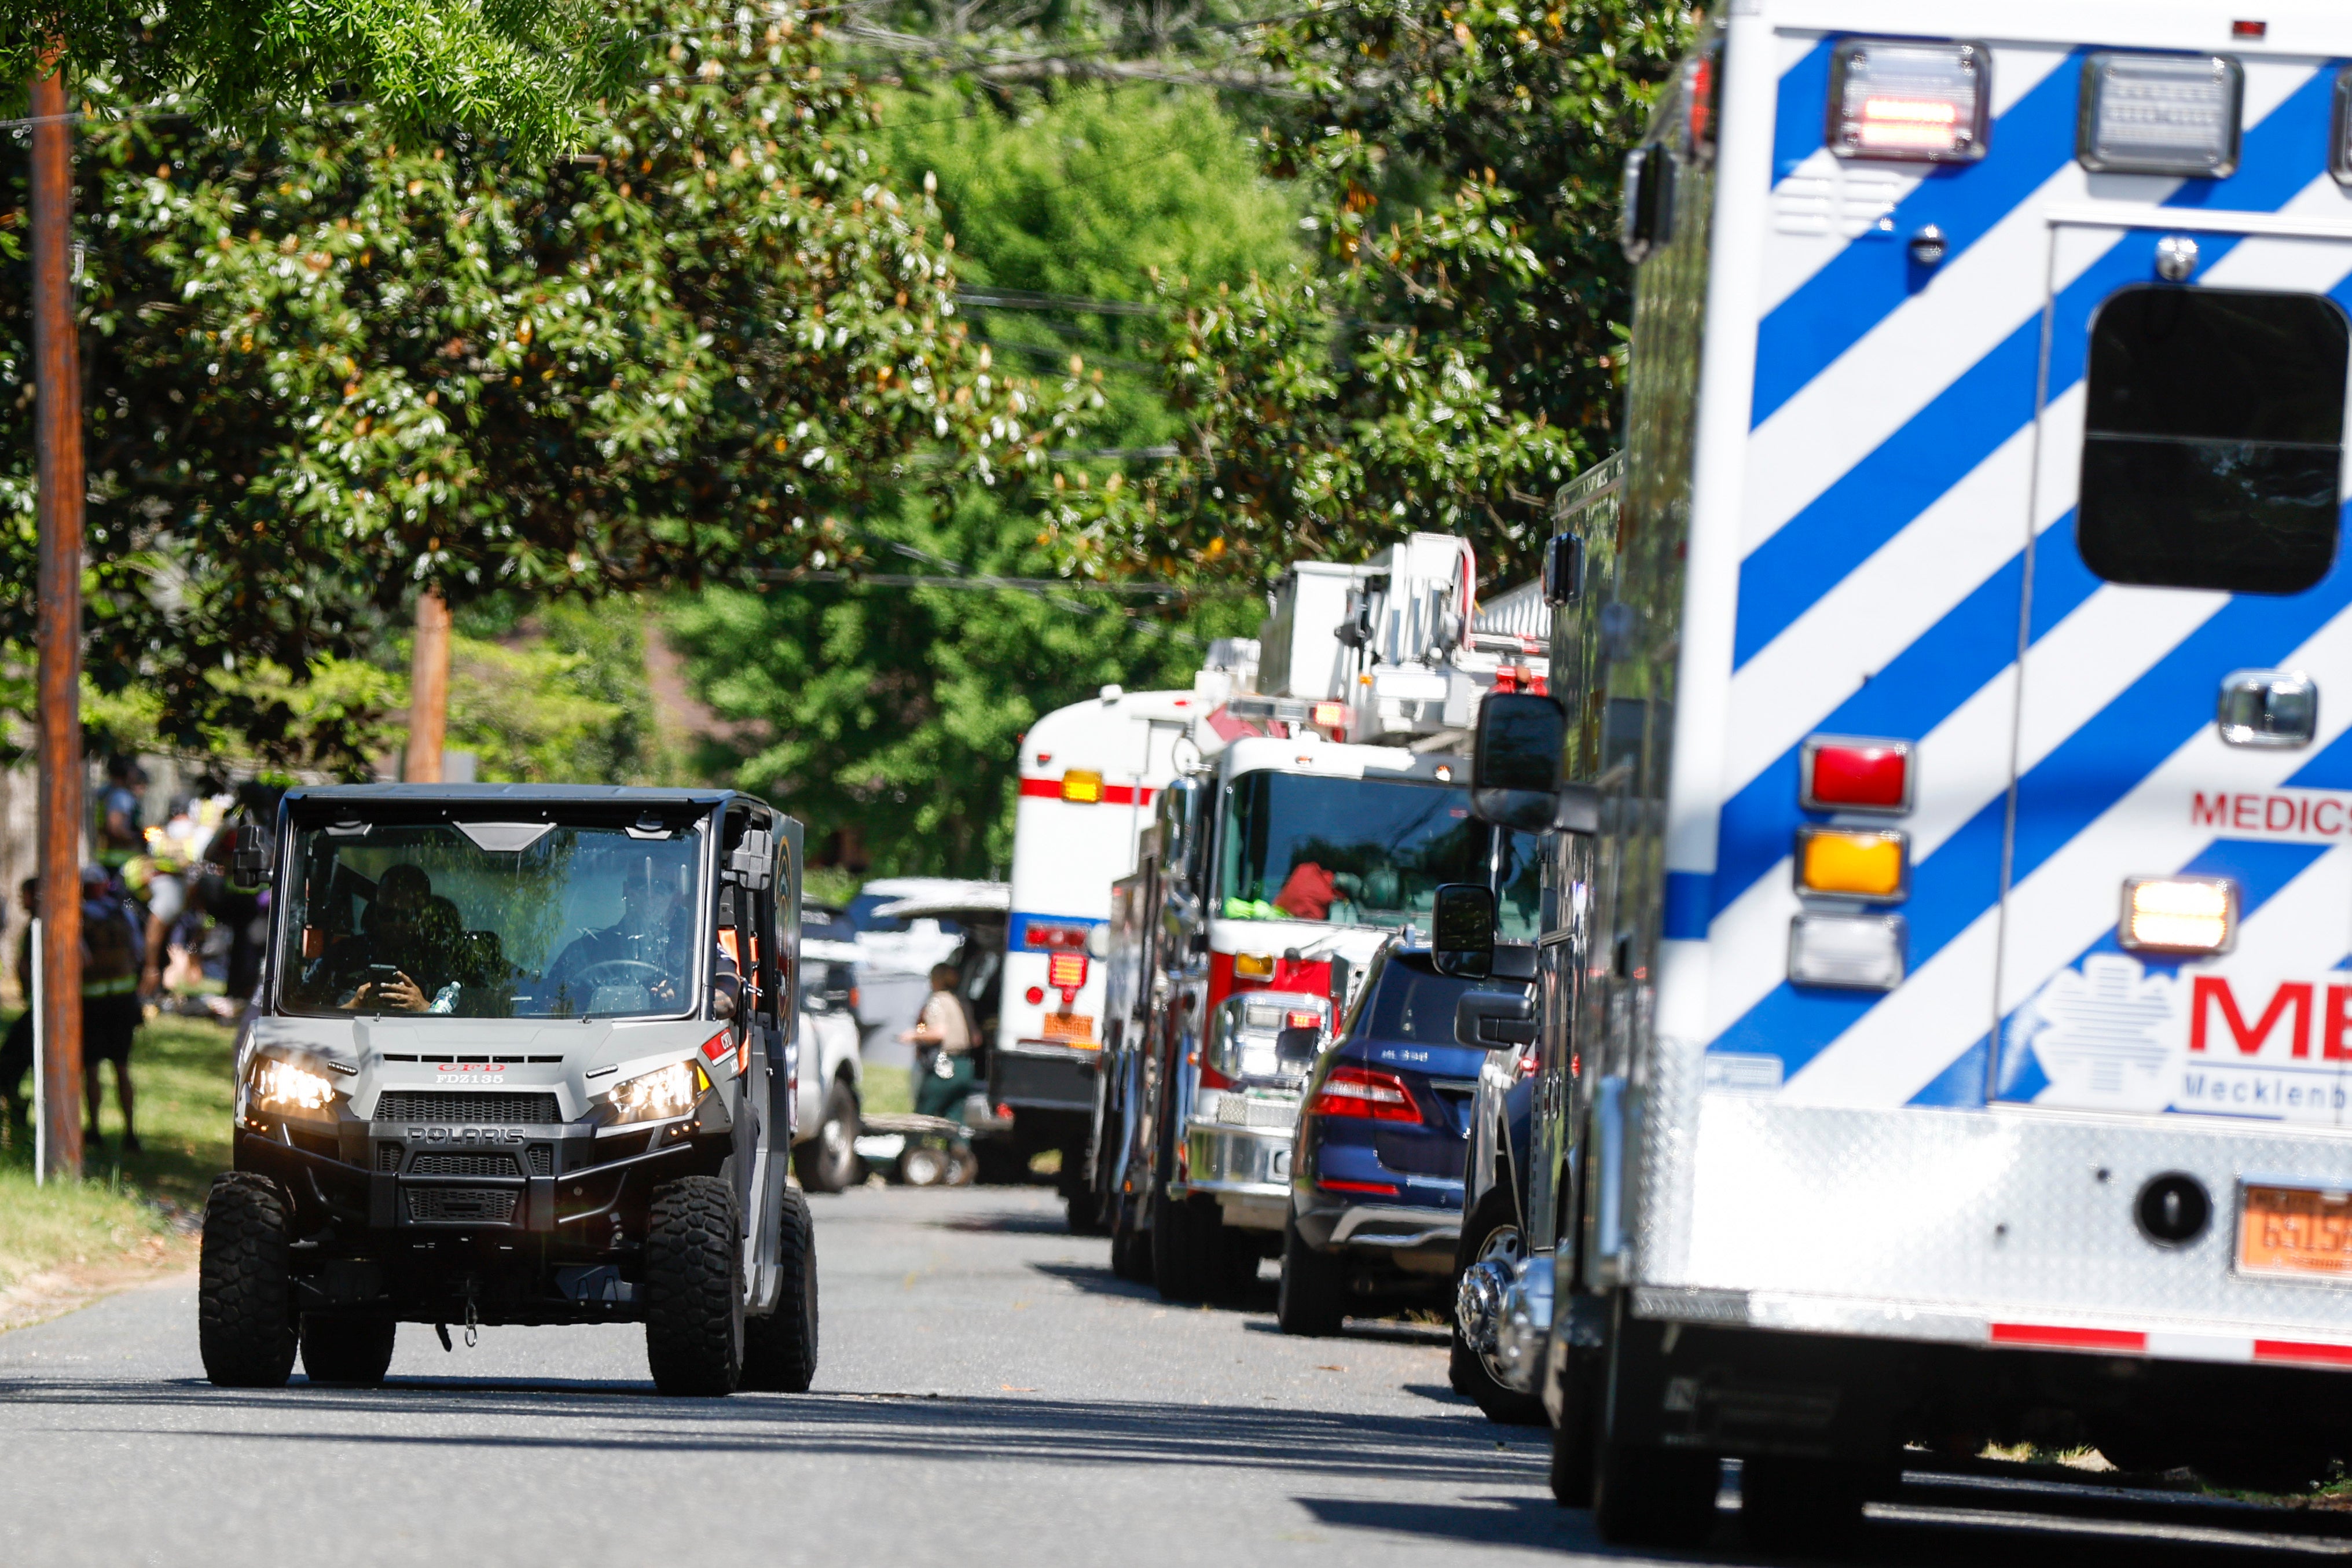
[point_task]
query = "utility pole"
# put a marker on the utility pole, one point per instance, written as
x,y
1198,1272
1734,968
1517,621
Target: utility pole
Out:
x,y
428,689
57,369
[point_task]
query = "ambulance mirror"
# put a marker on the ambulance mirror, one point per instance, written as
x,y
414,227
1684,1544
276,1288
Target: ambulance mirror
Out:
x,y
1462,930
1515,760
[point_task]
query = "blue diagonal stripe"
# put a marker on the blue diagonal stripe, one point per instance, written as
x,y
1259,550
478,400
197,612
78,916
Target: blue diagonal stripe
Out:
x,y
1801,111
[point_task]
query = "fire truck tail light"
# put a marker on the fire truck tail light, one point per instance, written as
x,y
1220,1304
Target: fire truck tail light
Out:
x,y
1083,785
2179,913
1841,774
1066,971
1328,715
1840,863
2160,114
1846,952
1924,102
1298,1019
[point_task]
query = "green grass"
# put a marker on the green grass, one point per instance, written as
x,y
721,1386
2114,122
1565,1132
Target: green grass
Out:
x,y
180,1069
889,1091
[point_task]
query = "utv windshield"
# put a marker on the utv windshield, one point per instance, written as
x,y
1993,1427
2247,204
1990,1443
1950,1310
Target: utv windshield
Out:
x,y
1362,851
493,919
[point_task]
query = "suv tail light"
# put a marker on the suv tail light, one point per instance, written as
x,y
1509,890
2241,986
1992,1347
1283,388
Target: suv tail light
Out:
x,y
1360,1092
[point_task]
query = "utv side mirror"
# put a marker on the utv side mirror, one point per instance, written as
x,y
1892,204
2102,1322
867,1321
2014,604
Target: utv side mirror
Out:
x,y
248,861
1462,931
1515,760
750,861
1494,1020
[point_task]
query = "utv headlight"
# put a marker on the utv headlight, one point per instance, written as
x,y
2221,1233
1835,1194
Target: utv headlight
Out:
x,y
658,1095
282,1086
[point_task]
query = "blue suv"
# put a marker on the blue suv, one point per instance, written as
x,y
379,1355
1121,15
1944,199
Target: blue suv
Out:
x,y
1376,1170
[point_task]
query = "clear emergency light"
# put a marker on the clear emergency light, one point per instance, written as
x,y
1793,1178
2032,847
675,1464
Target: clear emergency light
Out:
x,y
1846,952
2180,915
1841,774
1903,98
2160,114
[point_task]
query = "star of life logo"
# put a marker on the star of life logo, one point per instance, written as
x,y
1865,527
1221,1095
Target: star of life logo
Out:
x,y
2113,1036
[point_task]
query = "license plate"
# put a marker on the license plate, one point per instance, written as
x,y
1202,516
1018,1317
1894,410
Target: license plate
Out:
x,y
1070,1029
2295,1230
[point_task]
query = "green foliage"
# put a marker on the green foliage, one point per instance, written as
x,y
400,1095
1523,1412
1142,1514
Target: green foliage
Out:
x,y
888,717
521,70
1458,351
325,366
560,698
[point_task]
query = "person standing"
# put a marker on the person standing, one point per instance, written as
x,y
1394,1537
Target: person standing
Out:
x,y
112,945
943,1034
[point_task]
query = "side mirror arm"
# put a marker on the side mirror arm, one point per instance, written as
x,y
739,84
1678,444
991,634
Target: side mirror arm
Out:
x,y
1494,1020
1578,810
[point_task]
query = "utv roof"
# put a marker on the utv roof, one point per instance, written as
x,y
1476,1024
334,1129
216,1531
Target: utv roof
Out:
x,y
549,794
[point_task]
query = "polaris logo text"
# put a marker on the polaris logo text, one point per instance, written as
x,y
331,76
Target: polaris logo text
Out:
x,y
466,1137
2301,816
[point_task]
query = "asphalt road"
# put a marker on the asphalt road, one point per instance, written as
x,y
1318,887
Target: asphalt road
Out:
x,y
989,1395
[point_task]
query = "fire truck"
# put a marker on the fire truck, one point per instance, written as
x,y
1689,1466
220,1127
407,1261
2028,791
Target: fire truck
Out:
x,y
1945,985
1089,776
1318,804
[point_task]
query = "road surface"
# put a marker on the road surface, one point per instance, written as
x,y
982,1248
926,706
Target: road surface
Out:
x,y
989,1395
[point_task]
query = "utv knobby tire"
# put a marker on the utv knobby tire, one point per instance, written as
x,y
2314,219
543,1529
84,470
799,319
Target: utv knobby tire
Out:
x,y
694,1287
780,1350
244,1315
352,1351
1313,1299
828,1161
1493,1227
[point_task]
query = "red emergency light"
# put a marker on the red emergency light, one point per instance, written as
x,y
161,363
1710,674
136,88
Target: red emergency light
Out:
x,y
1841,773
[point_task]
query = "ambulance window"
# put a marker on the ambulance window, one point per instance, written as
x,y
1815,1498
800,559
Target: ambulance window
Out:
x,y
2213,444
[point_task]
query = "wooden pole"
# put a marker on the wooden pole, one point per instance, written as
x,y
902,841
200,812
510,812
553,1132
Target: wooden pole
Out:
x,y
428,689
57,369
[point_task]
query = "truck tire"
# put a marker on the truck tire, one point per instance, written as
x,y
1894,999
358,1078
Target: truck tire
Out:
x,y
1130,1248
1574,1440
1175,1254
245,1316
694,1287
780,1350
1314,1294
1808,1506
1082,1209
352,1351
1653,1497
1492,1232
828,1161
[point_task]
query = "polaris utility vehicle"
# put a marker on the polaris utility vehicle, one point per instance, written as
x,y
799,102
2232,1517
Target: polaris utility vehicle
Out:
x,y
523,1054
1375,1200
1948,756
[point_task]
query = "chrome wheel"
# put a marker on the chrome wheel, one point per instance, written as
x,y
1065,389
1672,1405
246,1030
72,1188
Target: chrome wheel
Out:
x,y
1504,1249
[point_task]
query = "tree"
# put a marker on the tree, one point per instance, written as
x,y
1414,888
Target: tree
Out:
x,y
889,717
1459,348
328,365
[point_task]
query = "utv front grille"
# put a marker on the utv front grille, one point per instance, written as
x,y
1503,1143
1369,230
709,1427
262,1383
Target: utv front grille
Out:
x,y
387,1157
541,1158
464,1165
462,1204
471,1110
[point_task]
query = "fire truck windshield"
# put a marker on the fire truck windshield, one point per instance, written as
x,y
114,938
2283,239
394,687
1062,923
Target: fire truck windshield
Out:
x,y
1361,851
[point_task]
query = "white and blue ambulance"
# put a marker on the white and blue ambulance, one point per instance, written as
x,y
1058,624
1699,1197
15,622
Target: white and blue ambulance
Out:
x,y
1952,995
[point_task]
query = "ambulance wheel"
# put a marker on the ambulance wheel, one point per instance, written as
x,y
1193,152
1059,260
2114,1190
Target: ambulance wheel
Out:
x,y
1653,1497
1492,1235
1314,1296
1800,1505
1130,1248
1577,1437
828,1162
353,1351
245,1316
780,1350
694,1287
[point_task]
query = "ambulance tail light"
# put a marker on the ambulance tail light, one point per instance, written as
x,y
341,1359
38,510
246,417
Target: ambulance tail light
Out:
x,y
1838,773
1082,786
1910,100
2180,915
2160,114
1844,862
1846,952
1066,971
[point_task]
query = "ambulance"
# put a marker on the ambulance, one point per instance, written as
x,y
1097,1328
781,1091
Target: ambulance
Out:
x,y
1089,775
1948,759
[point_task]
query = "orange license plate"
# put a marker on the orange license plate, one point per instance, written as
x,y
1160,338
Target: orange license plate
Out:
x,y
2297,1230
1070,1029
